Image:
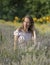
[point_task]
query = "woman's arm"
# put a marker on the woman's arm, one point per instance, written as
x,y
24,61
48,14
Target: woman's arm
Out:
x,y
16,35
15,42
34,38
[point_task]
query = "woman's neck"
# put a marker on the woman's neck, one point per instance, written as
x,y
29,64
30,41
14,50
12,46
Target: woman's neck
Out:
x,y
25,30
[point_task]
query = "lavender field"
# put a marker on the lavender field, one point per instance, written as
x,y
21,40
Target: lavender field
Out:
x,y
38,55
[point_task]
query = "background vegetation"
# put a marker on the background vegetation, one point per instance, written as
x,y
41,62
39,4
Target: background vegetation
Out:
x,y
36,8
29,55
11,13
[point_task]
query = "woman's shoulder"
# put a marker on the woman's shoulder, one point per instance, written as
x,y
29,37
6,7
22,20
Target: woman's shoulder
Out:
x,y
17,31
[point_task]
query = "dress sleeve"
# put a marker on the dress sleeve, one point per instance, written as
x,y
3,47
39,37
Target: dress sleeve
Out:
x,y
16,32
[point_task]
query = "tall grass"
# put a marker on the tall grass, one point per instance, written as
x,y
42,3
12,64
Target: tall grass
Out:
x,y
28,55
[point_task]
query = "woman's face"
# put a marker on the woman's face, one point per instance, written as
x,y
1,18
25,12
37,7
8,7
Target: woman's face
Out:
x,y
26,23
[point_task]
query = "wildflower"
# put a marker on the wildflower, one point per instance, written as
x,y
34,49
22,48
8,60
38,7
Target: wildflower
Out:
x,y
16,18
35,19
43,18
47,18
45,47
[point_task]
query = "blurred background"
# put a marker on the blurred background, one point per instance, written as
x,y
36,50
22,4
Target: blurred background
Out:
x,y
11,8
12,13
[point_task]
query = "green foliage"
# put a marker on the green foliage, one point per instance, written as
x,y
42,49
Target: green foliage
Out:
x,y
11,8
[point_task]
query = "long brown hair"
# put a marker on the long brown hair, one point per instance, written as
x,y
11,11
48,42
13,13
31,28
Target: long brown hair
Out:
x,y
31,27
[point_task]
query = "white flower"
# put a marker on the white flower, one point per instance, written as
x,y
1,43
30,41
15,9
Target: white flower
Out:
x,y
45,47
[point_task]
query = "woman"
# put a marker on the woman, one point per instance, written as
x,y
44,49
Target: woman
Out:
x,y
26,32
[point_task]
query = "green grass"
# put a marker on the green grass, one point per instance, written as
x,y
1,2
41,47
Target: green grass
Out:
x,y
41,27
39,55
11,23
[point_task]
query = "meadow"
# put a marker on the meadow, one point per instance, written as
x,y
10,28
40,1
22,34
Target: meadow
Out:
x,y
39,55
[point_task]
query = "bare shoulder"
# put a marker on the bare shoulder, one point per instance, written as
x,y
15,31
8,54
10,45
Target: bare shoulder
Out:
x,y
34,29
19,29
34,32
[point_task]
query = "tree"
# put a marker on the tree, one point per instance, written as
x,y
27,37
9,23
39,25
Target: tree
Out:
x,y
11,8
